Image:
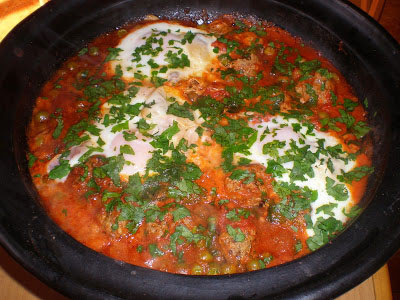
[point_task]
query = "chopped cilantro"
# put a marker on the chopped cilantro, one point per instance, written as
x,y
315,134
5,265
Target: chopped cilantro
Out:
x,y
327,209
83,51
154,251
223,201
100,142
180,110
180,213
265,261
309,66
337,191
234,214
152,63
330,165
139,76
333,98
239,174
349,104
60,171
113,167
181,231
188,37
113,53
244,161
199,131
184,188
126,149
346,118
356,174
59,128
174,61
366,102
129,136
275,169
236,234
133,214
271,148
354,211
158,81
360,129
120,127
323,230
31,160
88,153
298,246
107,195
209,107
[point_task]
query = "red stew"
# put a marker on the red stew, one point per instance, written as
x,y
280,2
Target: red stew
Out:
x,y
208,207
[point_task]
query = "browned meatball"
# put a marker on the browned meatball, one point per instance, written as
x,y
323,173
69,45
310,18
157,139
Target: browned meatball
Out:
x,y
247,67
251,190
155,230
194,89
233,251
219,27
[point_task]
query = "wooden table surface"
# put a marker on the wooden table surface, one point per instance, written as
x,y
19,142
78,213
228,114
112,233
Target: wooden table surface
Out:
x,y
18,284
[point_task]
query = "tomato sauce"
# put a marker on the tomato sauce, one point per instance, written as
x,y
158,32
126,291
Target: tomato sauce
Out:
x,y
233,226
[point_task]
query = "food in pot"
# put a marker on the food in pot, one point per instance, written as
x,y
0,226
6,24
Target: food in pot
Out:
x,y
200,149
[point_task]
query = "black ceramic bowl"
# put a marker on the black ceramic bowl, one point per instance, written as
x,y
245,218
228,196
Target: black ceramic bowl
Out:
x,y
367,56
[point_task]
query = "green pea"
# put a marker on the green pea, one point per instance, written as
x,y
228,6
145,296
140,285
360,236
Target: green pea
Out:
x,y
93,51
213,269
224,61
122,32
228,269
42,116
81,74
197,270
253,265
39,140
323,115
71,66
206,256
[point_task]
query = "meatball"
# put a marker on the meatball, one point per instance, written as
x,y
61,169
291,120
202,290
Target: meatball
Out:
x,y
108,222
247,67
252,189
320,89
155,230
233,251
219,27
194,89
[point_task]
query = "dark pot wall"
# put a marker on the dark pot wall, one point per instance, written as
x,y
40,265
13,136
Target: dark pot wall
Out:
x,y
370,60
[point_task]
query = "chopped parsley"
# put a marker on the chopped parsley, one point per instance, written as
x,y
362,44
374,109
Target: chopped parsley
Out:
x,y
356,174
337,191
126,149
113,53
236,234
60,171
31,160
154,251
182,111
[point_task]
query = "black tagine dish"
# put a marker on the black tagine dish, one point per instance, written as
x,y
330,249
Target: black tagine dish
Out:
x,y
366,55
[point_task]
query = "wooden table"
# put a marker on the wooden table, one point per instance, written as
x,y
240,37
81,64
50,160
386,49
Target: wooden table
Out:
x,y
18,284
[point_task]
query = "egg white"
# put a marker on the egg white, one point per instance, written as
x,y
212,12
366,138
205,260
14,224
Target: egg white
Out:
x,y
199,51
281,129
155,115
